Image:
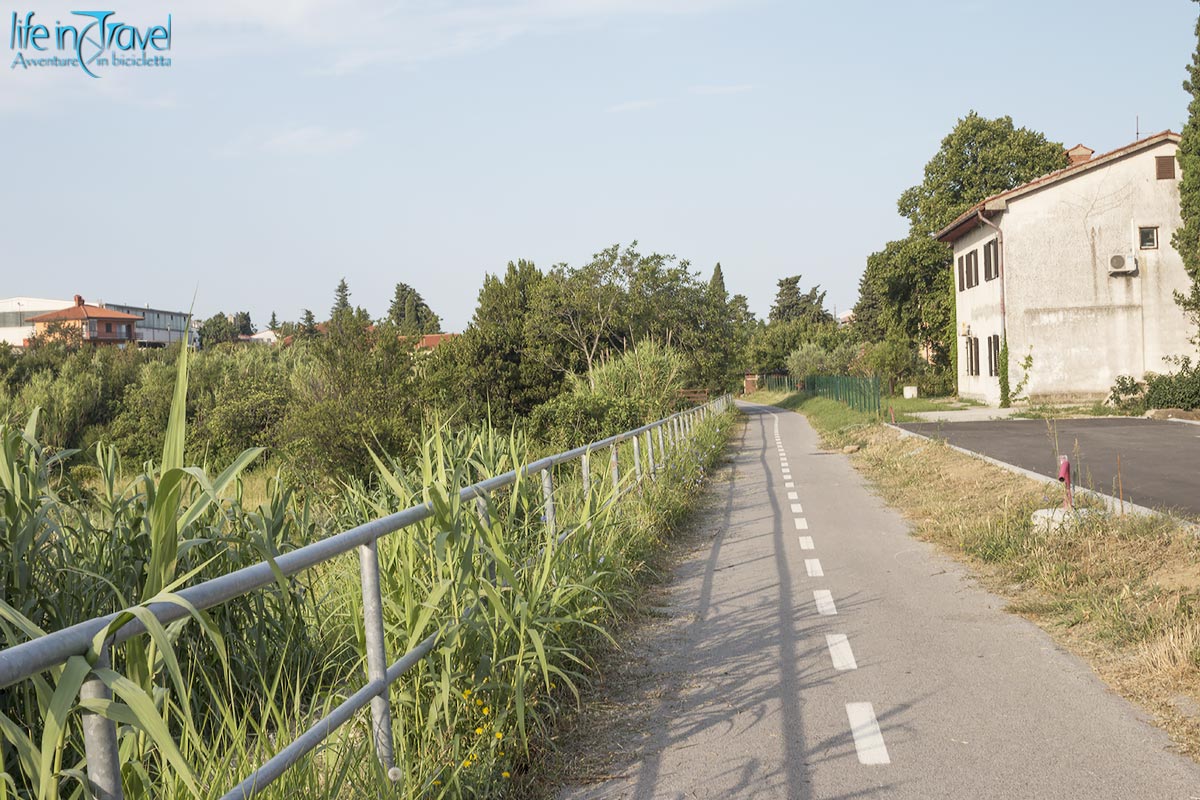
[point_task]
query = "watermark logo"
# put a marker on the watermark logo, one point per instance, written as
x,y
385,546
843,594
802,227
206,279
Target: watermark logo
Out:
x,y
98,41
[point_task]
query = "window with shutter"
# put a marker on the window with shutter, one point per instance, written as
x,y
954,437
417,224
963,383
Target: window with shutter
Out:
x,y
1164,167
961,285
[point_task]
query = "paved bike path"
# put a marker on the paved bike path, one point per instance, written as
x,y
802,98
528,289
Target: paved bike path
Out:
x,y
829,655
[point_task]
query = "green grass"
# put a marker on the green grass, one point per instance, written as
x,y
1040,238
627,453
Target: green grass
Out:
x,y
199,704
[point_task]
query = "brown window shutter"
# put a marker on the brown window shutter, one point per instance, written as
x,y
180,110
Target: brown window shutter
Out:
x,y
1164,167
961,285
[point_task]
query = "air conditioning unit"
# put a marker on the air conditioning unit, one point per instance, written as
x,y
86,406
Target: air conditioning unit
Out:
x,y
1121,264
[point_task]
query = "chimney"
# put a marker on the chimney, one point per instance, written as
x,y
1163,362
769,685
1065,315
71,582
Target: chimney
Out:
x,y
1080,154
78,300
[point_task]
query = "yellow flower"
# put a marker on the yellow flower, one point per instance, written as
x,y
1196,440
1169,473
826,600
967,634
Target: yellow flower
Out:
x,y
486,710
466,693
499,735
466,763
479,731
505,774
478,702
437,783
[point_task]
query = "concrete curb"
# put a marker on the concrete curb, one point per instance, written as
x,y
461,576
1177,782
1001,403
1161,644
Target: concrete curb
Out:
x,y
1112,504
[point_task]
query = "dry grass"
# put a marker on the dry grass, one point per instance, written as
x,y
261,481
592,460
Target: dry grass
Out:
x,y
1122,592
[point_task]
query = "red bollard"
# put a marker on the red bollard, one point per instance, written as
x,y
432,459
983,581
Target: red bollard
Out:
x,y
1064,477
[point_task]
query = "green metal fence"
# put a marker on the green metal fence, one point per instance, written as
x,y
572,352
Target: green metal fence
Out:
x,y
777,383
858,393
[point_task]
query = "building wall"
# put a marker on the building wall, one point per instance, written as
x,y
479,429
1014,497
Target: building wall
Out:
x,y
1082,326
978,313
157,327
14,310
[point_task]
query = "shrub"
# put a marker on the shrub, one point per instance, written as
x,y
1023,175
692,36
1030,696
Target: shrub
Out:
x,y
650,375
1178,390
811,358
575,419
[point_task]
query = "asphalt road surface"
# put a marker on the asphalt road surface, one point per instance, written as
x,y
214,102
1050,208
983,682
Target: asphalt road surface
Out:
x,y
1160,459
830,655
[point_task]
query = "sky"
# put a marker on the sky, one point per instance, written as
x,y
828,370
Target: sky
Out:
x,y
290,144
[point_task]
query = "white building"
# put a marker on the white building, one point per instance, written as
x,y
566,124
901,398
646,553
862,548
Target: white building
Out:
x,y
159,327
15,310
1076,268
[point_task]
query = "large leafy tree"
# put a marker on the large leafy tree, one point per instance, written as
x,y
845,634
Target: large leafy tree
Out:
x,y
217,329
410,314
910,296
792,304
978,158
496,370
1186,239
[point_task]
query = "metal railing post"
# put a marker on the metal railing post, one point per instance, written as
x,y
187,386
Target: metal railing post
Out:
x,y
585,471
661,446
381,707
616,469
548,495
100,739
650,455
637,459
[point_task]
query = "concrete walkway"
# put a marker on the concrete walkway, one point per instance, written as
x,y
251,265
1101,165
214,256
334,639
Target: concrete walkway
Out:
x,y
827,654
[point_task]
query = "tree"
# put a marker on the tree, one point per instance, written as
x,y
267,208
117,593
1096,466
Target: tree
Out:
x,y
980,157
497,370
242,323
1186,239
574,313
308,324
410,314
217,329
716,284
910,295
791,304
341,300
274,323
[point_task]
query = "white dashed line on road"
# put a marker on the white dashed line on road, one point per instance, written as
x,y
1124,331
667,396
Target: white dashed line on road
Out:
x,y
793,496
824,601
789,486
797,508
806,543
868,741
801,524
840,652
813,566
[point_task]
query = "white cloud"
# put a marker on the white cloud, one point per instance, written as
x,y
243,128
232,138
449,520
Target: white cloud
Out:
x,y
632,105
732,88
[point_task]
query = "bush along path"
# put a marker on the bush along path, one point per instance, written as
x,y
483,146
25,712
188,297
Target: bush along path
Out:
x,y
199,703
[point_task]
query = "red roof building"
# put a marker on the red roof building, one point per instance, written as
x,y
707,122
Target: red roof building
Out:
x,y
94,323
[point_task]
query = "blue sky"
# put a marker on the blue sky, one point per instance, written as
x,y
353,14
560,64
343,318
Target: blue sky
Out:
x,y
430,142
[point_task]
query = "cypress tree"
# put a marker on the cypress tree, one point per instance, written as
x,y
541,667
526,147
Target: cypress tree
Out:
x,y
1186,239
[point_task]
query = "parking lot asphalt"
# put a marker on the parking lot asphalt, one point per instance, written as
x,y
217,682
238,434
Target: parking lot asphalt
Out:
x,y
1159,459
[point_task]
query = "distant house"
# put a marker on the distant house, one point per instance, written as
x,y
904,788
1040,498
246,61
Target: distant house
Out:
x,y
262,337
1076,268
15,313
159,327
95,323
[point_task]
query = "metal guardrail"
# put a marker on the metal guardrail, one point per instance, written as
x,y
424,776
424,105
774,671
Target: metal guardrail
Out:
x,y
862,394
27,659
